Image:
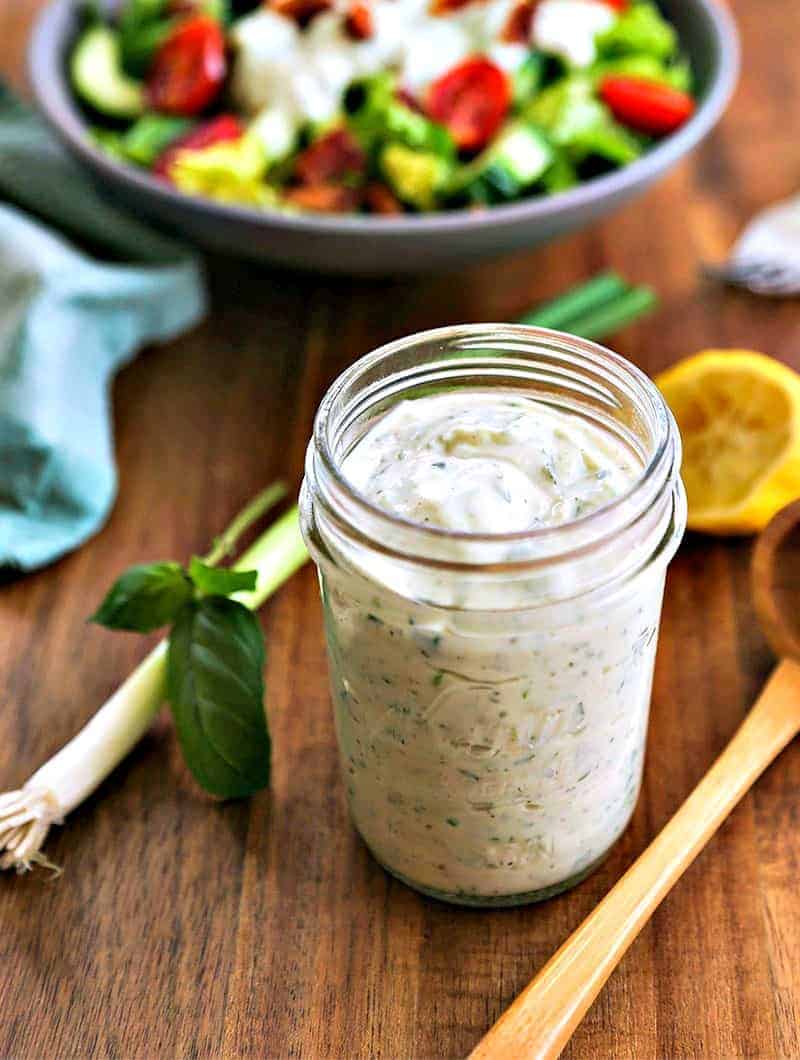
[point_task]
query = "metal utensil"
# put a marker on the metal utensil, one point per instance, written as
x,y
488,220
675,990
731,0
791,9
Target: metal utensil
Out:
x,y
766,257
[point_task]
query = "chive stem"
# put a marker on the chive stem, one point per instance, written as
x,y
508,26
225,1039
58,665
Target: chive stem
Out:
x,y
594,309
575,303
609,318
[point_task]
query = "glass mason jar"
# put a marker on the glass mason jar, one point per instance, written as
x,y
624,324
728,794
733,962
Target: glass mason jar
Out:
x,y
491,691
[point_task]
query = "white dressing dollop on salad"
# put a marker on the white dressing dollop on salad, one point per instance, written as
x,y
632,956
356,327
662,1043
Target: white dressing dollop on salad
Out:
x,y
568,28
381,106
305,74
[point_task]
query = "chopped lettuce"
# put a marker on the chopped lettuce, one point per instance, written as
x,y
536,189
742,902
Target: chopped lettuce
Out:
x,y
641,29
218,9
529,78
111,141
377,115
144,25
560,175
145,140
151,134
143,10
580,124
675,74
231,171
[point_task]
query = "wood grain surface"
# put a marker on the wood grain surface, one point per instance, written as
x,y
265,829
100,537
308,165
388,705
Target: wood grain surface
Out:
x,y
185,928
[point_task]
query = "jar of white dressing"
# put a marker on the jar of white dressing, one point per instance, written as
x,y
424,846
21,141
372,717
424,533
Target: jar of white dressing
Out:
x,y
492,510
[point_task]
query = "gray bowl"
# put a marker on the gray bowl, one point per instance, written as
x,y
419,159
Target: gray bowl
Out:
x,y
365,244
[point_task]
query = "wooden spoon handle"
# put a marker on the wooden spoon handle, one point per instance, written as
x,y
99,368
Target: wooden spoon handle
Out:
x,y
541,1021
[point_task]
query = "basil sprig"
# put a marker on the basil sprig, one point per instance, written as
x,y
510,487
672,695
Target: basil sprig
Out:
x,y
215,663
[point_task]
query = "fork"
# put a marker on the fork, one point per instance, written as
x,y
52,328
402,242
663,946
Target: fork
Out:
x,y
766,258
771,278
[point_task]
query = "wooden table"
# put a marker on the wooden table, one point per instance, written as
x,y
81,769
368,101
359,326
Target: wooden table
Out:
x,y
263,928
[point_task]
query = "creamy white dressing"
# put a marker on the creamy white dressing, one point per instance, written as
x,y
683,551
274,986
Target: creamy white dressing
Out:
x,y
488,756
284,76
488,464
568,28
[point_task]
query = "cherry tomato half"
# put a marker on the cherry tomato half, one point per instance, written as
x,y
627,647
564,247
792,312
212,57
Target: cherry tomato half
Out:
x,y
618,5
226,127
189,68
646,106
471,100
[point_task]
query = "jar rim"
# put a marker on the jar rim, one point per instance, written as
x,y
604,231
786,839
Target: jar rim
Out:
x,y
665,451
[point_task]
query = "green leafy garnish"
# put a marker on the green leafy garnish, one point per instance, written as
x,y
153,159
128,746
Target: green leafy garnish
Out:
x,y
215,659
216,690
144,25
529,78
642,29
145,597
676,74
581,124
377,117
152,134
218,581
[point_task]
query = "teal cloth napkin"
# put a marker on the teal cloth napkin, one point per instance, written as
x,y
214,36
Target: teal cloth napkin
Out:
x,y
68,322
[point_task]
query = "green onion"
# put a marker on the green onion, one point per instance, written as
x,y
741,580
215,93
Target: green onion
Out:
x,y
77,769
578,300
593,309
609,318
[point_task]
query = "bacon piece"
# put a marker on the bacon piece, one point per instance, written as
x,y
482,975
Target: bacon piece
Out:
x,y
301,11
359,23
444,7
517,29
333,157
379,198
325,198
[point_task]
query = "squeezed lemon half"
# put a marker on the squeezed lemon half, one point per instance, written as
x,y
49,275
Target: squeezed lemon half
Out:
x,y
739,416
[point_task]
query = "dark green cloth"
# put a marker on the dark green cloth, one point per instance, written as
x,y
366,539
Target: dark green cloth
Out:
x,y
68,322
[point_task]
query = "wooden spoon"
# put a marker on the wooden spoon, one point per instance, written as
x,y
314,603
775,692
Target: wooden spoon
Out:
x,y
541,1021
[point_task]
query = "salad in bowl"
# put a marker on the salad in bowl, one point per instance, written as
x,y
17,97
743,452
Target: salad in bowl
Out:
x,y
380,106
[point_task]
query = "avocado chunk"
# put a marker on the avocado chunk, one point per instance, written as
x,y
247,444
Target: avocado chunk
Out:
x,y
98,77
417,177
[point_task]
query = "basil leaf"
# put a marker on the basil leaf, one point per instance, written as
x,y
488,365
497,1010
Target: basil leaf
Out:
x,y
145,597
215,687
219,581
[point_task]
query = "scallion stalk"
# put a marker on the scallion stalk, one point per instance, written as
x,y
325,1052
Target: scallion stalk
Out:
x,y
606,319
594,309
574,303
63,782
